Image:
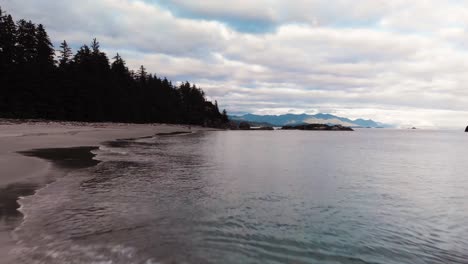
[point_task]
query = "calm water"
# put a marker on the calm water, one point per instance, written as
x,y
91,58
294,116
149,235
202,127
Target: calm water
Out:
x,y
369,196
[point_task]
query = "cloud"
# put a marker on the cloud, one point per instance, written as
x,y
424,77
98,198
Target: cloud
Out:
x,y
272,13
393,61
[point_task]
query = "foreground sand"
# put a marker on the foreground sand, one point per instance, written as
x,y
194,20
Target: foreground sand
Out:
x,y
25,136
16,168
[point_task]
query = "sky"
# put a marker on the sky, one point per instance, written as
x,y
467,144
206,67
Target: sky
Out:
x,y
398,62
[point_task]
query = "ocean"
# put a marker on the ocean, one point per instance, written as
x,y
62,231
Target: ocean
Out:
x,y
369,196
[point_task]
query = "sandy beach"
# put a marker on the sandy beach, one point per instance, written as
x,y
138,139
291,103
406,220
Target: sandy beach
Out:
x,y
22,173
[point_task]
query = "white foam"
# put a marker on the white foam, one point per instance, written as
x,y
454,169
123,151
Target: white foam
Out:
x,y
111,150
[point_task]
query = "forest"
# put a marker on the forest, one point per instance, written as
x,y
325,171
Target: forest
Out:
x,y
39,82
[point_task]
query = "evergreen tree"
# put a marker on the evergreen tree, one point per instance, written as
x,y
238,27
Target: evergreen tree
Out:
x,y
216,105
82,56
65,54
26,42
119,67
45,49
100,62
95,46
85,87
142,74
7,40
224,117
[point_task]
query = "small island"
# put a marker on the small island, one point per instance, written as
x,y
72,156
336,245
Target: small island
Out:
x,y
466,129
319,127
247,126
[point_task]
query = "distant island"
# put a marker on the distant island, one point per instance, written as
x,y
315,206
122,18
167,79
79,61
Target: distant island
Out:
x,y
318,127
87,86
248,126
300,119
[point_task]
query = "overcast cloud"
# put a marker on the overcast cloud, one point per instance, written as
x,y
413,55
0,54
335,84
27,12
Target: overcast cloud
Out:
x,y
400,62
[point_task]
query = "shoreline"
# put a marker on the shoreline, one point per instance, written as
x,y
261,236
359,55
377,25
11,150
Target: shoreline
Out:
x,y
35,153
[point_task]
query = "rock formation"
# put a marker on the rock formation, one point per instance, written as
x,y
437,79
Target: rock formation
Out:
x,y
323,127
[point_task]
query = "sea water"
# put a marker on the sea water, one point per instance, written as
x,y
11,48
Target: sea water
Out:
x,y
369,196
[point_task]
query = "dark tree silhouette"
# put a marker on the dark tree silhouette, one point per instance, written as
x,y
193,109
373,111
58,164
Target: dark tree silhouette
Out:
x,y
86,86
65,54
45,49
224,117
7,40
142,74
26,47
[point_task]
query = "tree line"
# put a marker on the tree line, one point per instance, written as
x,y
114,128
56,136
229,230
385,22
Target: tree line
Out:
x,y
88,86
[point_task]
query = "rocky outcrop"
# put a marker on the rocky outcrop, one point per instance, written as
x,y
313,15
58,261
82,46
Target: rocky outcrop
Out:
x,y
244,126
319,127
466,130
248,126
262,128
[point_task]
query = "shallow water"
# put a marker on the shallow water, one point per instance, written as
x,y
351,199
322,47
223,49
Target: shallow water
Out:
x,y
369,196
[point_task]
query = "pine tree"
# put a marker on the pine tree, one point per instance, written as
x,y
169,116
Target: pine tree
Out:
x,y
65,54
27,42
216,106
82,56
119,67
45,49
99,60
7,39
142,74
95,47
224,116
88,88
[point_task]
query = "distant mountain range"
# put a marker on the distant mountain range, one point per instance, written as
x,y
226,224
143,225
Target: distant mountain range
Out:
x,y
293,119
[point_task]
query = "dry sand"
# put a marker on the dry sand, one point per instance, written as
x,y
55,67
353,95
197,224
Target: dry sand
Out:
x,y
16,168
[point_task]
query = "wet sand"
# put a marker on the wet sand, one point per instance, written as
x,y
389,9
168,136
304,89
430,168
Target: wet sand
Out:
x,y
34,153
